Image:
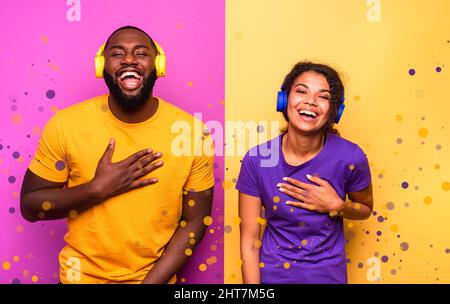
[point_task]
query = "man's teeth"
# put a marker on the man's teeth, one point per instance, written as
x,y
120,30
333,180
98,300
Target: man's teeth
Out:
x,y
308,113
126,74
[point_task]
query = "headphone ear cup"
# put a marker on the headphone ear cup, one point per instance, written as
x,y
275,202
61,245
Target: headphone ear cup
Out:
x,y
99,62
282,101
160,65
339,112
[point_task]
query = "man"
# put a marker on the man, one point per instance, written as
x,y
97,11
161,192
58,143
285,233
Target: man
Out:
x,y
135,210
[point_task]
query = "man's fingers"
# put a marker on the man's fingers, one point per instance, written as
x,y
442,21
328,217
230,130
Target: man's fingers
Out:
x,y
142,183
141,163
134,157
107,155
147,169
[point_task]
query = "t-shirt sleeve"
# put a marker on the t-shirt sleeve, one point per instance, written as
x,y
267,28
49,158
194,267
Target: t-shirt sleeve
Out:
x,y
201,176
248,177
360,177
49,161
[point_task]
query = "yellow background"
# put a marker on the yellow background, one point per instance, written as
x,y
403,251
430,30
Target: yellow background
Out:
x,y
385,106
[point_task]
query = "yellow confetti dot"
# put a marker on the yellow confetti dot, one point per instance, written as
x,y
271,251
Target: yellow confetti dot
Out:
x,y
211,231
437,166
357,98
258,244
213,247
394,227
261,221
261,265
445,186
34,279
276,199
399,118
291,210
44,39
25,274
207,220
191,234
191,203
183,280
73,214
211,260
304,242
274,208
6,265
357,206
16,258
286,265
190,83
237,220
333,213
427,200
423,132
183,224
41,215
350,225
16,118
188,252
19,228
351,167
202,267
192,241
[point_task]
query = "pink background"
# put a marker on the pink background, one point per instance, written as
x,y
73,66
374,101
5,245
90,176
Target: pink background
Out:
x,y
41,50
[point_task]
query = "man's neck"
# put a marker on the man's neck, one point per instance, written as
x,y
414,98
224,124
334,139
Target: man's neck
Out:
x,y
146,112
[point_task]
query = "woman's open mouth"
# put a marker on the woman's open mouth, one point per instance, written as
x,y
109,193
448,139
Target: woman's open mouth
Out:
x,y
307,115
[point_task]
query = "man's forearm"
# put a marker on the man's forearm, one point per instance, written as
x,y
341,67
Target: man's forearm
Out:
x,y
55,203
176,253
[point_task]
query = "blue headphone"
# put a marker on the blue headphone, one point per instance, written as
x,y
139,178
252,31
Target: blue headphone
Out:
x,y
282,103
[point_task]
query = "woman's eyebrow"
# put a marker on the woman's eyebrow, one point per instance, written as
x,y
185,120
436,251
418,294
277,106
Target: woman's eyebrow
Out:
x,y
304,85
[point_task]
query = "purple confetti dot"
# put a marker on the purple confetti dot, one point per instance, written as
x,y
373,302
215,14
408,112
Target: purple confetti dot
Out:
x,y
40,109
13,108
12,210
380,219
378,233
15,281
26,93
28,135
50,94
447,250
60,165
16,155
374,213
412,72
384,259
1,147
438,69
12,179
217,180
360,265
405,185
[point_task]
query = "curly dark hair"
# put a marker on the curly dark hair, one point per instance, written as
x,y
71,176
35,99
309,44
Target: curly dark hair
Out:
x,y
334,81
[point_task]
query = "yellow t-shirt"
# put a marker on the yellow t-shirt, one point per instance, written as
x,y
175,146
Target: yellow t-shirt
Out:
x,y
120,239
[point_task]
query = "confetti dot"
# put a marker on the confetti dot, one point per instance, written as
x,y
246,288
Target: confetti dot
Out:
x,y
390,206
60,165
399,118
258,244
50,94
261,265
191,234
12,210
183,280
380,219
183,224
6,265
188,252
276,199
384,259
404,246
11,179
191,203
16,155
405,185
34,279
202,267
227,228
438,69
357,98
350,225
447,250
15,281
399,141
438,147
104,107
360,265
351,167
46,205
16,258
423,132
207,220
393,271
260,129
304,242
211,260
445,186
19,228
274,208
427,200
213,247
286,265
412,72
73,214
190,83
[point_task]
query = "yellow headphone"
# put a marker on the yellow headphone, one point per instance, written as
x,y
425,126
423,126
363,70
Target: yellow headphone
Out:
x,y
160,61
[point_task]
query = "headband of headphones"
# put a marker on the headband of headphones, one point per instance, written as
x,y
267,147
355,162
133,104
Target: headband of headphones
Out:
x,y
160,61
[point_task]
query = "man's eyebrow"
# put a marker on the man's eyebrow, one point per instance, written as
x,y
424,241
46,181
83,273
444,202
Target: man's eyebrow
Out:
x,y
118,46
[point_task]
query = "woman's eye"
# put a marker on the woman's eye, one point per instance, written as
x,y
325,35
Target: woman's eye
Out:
x,y
325,97
301,92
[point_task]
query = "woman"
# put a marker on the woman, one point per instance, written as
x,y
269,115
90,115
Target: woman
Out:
x,y
304,193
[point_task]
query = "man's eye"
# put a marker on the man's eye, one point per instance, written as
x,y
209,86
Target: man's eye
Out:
x,y
141,54
116,54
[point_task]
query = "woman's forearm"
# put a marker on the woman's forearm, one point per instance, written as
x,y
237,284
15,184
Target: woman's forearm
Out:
x,y
250,262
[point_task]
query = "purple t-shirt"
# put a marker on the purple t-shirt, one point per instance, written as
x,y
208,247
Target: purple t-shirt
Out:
x,y
298,245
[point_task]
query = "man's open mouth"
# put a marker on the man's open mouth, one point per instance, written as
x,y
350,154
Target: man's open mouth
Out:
x,y
307,115
130,80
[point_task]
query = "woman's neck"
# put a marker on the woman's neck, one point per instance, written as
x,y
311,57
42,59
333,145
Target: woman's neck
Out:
x,y
299,148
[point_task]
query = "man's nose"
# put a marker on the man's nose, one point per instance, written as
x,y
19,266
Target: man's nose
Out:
x,y
129,58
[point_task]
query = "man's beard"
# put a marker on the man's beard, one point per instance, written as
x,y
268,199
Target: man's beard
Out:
x,y
130,104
